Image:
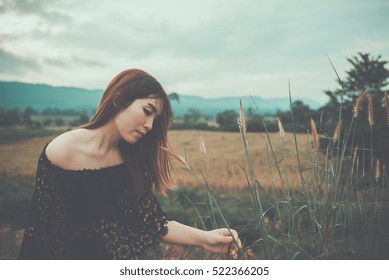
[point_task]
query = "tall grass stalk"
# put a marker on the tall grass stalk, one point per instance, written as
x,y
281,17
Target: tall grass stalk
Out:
x,y
295,139
330,213
253,185
214,207
321,223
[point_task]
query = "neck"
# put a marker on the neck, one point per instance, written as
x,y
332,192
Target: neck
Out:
x,y
105,138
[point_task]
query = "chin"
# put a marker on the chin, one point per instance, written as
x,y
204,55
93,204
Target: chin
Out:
x,y
132,140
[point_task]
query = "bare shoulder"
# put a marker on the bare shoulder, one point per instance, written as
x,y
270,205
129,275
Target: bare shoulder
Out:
x,y
63,150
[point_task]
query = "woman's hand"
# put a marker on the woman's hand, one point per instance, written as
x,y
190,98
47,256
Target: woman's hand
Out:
x,y
216,241
221,240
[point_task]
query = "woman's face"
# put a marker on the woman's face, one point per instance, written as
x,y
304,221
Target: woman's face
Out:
x,y
137,119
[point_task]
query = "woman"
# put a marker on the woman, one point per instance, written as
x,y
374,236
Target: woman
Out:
x,y
93,197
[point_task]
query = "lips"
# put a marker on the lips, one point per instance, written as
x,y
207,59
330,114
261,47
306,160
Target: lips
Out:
x,y
141,133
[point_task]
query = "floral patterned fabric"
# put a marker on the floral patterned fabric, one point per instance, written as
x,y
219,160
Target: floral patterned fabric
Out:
x,y
90,214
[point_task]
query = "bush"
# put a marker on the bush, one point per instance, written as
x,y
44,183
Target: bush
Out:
x,y
15,196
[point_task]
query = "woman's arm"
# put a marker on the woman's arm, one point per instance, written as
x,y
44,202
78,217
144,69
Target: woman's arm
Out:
x,y
216,241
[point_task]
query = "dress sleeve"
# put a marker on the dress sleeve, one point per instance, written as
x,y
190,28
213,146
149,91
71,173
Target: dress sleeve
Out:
x,y
45,236
153,218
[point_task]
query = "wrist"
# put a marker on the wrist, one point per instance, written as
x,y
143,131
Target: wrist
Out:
x,y
202,238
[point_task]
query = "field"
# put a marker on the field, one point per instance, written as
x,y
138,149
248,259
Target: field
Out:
x,y
284,206
224,156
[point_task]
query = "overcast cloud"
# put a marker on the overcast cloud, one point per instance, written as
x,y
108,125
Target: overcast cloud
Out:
x,y
209,48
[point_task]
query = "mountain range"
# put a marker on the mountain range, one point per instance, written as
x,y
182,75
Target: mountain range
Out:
x,y
40,96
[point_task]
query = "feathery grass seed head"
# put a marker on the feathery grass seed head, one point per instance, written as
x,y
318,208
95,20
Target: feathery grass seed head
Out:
x,y
315,138
242,118
359,102
202,145
336,131
370,114
177,157
281,128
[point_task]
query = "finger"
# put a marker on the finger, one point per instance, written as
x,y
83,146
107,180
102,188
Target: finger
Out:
x,y
224,249
236,238
234,249
233,253
232,236
225,232
235,234
225,239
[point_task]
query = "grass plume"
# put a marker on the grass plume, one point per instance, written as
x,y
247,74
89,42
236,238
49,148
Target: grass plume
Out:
x,y
370,112
315,136
335,135
242,118
359,102
281,128
177,157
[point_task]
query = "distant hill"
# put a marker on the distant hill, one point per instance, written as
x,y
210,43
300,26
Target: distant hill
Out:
x,y
40,96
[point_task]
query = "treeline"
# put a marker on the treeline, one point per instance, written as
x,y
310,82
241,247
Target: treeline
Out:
x,y
256,122
47,117
192,120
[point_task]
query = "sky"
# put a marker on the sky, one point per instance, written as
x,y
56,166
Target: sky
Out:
x,y
208,48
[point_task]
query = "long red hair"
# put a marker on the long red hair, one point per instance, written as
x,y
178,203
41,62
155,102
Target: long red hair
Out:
x,y
146,155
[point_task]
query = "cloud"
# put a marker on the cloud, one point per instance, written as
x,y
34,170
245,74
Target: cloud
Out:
x,y
75,61
13,64
196,47
89,62
22,6
44,9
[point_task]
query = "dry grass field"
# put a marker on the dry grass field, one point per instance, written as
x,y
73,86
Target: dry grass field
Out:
x,y
225,157
318,221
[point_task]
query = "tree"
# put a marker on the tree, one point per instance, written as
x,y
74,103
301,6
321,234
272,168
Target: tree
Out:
x,y
366,73
227,120
301,116
83,119
370,130
174,97
193,115
26,115
9,118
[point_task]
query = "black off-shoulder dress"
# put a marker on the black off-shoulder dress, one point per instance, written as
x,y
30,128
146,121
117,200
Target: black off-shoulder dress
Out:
x,y
90,214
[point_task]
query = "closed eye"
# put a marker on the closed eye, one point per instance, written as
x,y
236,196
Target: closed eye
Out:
x,y
147,112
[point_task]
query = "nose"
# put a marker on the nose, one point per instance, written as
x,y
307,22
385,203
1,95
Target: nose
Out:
x,y
149,124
